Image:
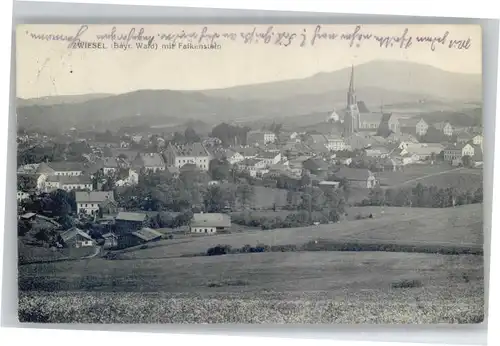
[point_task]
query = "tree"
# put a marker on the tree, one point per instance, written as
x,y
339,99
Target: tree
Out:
x,y
245,194
219,169
178,138
478,195
345,186
377,196
335,204
214,199
305,180
183,218
26,182
230,135
467,161
190,136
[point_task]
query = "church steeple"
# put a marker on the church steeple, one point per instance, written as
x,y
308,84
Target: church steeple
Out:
x,y
351,93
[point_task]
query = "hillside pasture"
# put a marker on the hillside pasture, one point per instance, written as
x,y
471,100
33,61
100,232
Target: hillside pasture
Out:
x,y
459,226
28,253
410,172
279,272
305,287
460,180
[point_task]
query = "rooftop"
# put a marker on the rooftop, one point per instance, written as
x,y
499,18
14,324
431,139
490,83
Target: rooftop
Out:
x,y
129,216
69,179
359,174
93,196
210,220
152,160
267,155
409,122
195,149
147,234
73,232
250,162
64,166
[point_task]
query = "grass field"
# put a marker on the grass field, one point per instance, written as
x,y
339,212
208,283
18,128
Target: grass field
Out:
x,y
460,180
31,254
410,172
457,226
271,287
155,285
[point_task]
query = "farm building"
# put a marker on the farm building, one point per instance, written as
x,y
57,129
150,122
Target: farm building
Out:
x,y
127,222
28,217
360,177
141,236
75,237
210,223
110,240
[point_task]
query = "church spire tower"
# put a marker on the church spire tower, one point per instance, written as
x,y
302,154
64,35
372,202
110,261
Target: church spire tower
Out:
x,y
351,93
352,120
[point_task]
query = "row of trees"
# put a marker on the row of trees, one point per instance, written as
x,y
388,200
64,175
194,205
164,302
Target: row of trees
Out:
x,y
230,135
159,191
423,196
52,152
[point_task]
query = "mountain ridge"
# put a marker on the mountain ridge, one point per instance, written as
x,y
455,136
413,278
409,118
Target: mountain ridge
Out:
x,y
376,83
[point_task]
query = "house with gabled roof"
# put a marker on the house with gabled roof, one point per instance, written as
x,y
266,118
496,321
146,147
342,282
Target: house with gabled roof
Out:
x,y
414,126
127,222
445,127
138,237
67,183
209,223
253,167
75,238
269,157
65,168
88,203
108,165
370,121
150,162
233,156
422,151
360,177
179,155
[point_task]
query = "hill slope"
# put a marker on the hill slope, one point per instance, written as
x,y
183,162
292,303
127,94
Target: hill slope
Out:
x,y
396,76
376,82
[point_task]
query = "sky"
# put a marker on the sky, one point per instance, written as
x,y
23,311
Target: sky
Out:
x,y
49,67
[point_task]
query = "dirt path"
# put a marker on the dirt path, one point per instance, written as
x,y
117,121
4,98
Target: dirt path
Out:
x,y
424,177
96,252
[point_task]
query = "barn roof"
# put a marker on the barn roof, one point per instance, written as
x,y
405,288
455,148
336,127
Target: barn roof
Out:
x,y
129,216
147,234
210,220
72,233
93,196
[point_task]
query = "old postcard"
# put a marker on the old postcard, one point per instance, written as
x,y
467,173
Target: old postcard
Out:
x,y
250,174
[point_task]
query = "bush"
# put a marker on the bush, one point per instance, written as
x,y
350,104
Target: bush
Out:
x,y
407,283
219,250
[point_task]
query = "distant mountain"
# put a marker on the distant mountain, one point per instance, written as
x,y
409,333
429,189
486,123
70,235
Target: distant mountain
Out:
x,y
397,83
54,100
152,107
400,76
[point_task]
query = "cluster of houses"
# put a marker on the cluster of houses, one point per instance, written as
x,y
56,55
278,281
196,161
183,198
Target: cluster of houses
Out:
x,y
387,140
